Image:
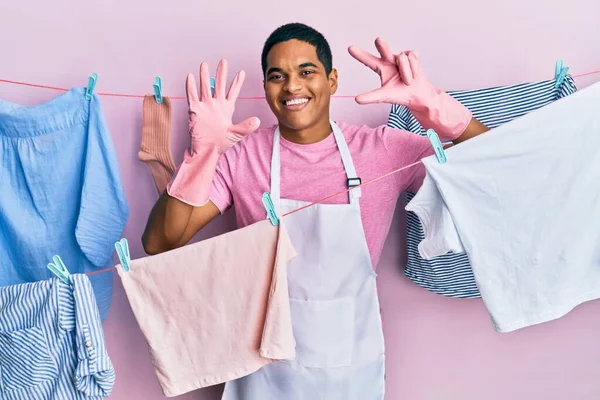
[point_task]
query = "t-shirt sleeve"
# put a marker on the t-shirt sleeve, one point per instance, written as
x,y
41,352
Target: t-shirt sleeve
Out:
x,y
405,148
441,236
221,193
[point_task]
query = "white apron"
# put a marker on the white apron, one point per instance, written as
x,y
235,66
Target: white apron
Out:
x,y
334,304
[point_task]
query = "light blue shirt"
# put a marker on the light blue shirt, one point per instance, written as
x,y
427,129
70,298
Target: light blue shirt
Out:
x,y
51,342
60,191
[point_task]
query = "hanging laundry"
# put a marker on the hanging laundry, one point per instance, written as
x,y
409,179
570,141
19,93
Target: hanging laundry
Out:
x,y
523,202
60,191
155,148
51,342
215,310
451,274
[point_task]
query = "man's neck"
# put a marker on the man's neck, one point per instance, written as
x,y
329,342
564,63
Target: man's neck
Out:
x,y
314,134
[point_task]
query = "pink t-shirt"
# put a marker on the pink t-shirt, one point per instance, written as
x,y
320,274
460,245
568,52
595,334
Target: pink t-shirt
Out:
x,y
314,171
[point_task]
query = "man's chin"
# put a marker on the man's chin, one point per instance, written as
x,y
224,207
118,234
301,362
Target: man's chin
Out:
x,y
295,124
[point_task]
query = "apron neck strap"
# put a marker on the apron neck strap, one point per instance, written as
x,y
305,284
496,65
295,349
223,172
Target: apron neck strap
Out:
x,y
351,178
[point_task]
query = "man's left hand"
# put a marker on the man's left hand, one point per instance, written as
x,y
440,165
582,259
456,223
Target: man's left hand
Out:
x,y
403,82
402,78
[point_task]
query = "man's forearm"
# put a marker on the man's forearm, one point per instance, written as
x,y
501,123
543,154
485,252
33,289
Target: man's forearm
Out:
x,y
473,129
166,224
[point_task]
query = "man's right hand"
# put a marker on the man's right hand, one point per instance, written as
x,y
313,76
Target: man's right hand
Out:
x,y
212,133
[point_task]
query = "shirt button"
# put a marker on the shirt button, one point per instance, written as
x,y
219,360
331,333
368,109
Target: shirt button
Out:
x,y
88,344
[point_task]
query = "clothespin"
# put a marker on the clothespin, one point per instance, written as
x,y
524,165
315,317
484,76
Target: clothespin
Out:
x,y
157,89
270,208
560,72
91,86
212,87
437,146
59,269
122,248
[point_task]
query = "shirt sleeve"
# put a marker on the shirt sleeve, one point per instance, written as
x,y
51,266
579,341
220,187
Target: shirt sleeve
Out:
x,y
95,375
441,236
405,148
221,193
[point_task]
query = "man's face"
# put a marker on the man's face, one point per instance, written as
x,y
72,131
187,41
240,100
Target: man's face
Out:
x,y
296,85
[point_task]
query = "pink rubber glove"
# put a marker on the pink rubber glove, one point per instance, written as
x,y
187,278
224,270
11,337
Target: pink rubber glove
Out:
x,y
212,133
403,82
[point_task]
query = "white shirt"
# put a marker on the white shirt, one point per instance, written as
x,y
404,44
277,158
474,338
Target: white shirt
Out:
x,y
523,201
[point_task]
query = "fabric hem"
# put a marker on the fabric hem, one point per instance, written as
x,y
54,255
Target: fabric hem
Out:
x,y
540,318
180,390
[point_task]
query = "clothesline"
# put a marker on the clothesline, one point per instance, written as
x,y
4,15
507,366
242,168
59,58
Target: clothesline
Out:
x,y
320,200
184,98
254,98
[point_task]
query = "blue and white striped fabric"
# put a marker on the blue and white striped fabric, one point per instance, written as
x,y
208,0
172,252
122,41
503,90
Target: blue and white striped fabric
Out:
x,y
451,274
52,343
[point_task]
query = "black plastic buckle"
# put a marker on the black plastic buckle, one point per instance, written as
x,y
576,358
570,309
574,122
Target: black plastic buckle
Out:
x,y
351,184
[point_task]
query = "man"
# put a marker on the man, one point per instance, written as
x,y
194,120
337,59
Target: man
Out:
x,y
306,157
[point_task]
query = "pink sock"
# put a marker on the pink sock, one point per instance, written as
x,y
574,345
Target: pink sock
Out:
x,y
155,149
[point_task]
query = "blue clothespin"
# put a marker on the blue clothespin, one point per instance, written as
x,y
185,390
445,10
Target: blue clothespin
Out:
x,y
59,269
122,248
212,87
268,203
560,72
437,146
157,89
91,86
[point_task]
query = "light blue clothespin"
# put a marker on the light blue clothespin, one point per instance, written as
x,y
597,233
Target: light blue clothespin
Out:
x,y
212,87
59,269
268,203
157,89
91,86
560,72
437,146
122,248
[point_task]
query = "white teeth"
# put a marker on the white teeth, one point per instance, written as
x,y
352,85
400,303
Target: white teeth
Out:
x,y
295,102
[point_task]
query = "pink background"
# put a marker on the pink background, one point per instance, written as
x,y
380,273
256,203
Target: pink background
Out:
x,y
437,348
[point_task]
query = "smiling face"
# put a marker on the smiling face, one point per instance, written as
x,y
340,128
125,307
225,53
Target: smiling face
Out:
x,y
298,89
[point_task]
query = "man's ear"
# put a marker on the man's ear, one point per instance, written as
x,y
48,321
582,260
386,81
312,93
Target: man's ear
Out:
x,y
333,81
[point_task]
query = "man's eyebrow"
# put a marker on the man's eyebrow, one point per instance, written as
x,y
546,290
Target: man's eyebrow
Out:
x,y
307,64
303,65
274,69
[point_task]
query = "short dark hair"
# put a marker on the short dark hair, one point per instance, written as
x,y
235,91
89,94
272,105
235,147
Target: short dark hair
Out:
x,y
303,33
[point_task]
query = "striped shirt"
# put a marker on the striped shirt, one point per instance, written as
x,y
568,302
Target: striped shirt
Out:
x,y
451,274
52,343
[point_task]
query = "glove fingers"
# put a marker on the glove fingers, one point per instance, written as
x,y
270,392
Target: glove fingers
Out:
x,y
247,126
236,86
384,50
191,90
205,82
221,80
404,68
415,64
374,96
365,57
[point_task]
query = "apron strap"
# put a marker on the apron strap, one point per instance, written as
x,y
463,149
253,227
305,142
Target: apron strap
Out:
x,y
351,178
276,172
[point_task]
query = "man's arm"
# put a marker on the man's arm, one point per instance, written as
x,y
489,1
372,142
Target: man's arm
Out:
x,y
173,224
473,129
185,207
